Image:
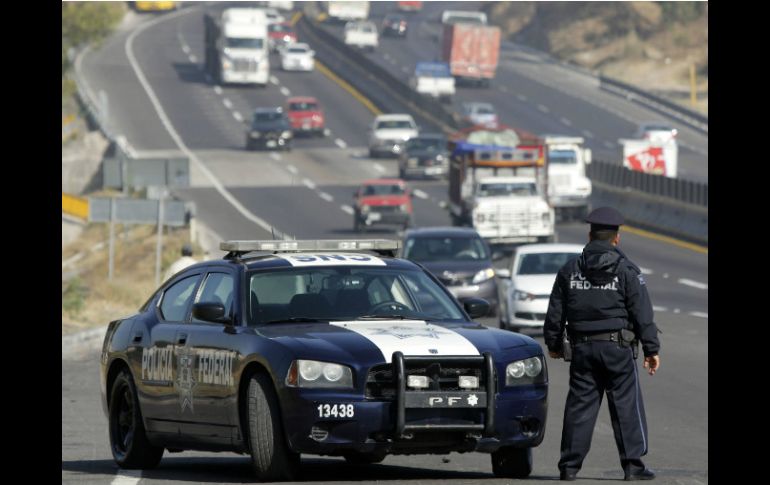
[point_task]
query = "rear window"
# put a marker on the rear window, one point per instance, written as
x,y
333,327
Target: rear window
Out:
x,y
455,248
303,106
383,190
267,116
394,124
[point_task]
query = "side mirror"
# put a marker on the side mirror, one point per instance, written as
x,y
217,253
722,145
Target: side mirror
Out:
x,y
503,273
476,307
587,156
210,311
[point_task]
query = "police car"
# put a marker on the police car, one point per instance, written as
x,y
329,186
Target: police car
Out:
x,y
329,347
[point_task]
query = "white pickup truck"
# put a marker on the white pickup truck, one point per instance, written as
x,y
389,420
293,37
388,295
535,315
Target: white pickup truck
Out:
x,y
434,79
362,34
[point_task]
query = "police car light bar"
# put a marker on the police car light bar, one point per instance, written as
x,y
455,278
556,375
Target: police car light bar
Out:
x,y
377,245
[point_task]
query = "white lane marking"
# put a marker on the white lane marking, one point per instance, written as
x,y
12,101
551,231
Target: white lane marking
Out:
x,y
587,134
309,184
521,97
379,167
699,314
609,145
503,89
677,310
347,208
443,204
228,104
285,91
659,308
419,193
186,49
694,284
292,169
274,80
665,275
566,121
192,58
275,156
326,197
218,90
543,108
340,143
173,133
386,56
127,477
645,270
237,116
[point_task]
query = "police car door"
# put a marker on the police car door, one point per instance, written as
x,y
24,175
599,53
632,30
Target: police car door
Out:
x,y
207,359
155,342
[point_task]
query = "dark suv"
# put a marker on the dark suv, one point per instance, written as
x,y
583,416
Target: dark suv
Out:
x,y
270,129
458,257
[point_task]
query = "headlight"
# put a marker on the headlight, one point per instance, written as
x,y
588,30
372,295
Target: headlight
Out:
x,y
226,64
527,371
483,275
316,118
364,209
312,373
523,295
439,158
404,207
255,134
286,134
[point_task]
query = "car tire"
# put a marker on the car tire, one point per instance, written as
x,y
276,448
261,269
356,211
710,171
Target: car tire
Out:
x,y
128,441
372,154
510,462
270,454
361,458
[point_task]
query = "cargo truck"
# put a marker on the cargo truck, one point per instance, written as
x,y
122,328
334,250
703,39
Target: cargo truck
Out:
x,y
472,51
236,43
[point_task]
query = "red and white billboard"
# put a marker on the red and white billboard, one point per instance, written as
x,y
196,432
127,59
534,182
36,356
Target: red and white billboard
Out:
x,y
647,157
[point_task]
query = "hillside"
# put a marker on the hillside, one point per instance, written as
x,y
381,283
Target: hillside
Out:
x,y
648,44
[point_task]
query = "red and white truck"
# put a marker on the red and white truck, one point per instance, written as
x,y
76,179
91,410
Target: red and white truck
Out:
x,y
472,51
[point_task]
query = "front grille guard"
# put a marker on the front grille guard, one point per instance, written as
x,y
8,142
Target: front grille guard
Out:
x,y
399,368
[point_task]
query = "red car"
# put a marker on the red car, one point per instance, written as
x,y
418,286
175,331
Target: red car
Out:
x,y
382,202
280,35
305,115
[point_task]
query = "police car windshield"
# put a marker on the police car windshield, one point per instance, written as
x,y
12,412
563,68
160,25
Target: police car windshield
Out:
x,y
544,263
238,43
498,188
383,190
562,157
430,249
319,292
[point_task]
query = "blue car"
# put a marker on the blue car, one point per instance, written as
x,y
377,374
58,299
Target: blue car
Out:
x,y
318,347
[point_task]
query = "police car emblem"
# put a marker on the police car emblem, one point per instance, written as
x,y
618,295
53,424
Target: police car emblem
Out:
x,y
185,381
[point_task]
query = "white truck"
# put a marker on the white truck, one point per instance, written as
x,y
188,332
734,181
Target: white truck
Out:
x,y
569,189
362,35
487,193
434,79
346,11
237,46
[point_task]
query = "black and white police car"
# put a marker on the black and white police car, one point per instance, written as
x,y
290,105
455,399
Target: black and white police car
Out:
x,y
329,347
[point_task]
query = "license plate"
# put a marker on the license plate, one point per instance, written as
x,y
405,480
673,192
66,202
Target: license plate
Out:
x,y
427,399
271,143
305,126
336,410
433,170
374,216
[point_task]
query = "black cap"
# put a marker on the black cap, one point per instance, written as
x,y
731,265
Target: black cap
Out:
x,y
187,250
606,217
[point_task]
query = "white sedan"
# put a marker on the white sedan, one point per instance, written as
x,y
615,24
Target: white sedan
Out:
x,y
297,57
527,283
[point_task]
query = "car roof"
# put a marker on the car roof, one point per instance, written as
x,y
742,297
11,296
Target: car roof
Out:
x,y
276,109
390,181
301,99
275,261
394,116
438,231
549,248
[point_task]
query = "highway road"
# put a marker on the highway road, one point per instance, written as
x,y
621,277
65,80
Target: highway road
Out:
x,y
159,99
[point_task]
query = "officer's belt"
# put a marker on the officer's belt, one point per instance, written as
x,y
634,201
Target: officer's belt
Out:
x,y
593,337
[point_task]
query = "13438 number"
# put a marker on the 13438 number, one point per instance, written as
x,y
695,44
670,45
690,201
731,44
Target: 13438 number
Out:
x,y
335,410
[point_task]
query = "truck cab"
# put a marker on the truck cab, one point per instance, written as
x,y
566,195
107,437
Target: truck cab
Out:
x,y
434,79
237,46
569,189
362,35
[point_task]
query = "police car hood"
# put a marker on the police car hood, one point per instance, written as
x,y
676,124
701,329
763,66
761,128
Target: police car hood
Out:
x,y
599,262
374,341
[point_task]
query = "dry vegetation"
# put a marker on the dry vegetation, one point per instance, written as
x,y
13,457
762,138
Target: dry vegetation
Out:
x,y
88,298
649,44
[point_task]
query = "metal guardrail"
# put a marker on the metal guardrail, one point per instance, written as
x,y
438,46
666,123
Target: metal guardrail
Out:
x,y
680,190
692,118
74,206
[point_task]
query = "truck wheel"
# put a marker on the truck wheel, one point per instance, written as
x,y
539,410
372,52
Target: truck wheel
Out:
x,y
129,444
270,455
510,462
360,458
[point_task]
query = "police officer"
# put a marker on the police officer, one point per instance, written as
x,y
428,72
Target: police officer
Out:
x,y
600,299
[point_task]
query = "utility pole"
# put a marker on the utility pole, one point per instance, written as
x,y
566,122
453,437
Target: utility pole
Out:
x,y
159,246
693,94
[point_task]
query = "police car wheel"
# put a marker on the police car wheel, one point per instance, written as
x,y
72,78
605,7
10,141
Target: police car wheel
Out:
x,y
270,455
360,458
512,462
128,442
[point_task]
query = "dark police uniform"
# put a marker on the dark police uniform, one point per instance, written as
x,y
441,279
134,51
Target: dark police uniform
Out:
x,y
597,295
